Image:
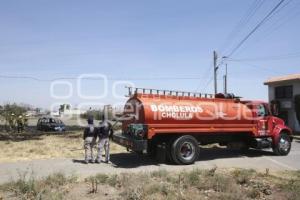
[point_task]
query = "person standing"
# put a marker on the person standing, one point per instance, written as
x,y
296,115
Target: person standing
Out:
x,y
20,124
90,116
12,122
104,132
89,137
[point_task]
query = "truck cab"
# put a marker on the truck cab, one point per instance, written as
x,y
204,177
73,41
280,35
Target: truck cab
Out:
x,y
270,128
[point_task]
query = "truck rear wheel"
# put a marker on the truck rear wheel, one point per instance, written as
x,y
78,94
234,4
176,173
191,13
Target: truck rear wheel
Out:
x,y
185,150
283,145
169,157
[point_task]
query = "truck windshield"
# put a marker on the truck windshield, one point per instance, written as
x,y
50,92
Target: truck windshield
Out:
x,y
261,111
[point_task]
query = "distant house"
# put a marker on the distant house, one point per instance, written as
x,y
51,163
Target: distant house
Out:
x,y
35,112
67,110
31,113
74,111
284,93
55,114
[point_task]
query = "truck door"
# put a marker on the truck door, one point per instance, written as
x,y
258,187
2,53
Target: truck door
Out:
x,y
264,123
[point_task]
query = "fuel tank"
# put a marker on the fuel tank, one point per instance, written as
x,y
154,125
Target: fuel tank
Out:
x,y
193,112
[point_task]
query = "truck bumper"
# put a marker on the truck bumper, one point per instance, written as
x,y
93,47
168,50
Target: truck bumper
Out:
x,y
130,143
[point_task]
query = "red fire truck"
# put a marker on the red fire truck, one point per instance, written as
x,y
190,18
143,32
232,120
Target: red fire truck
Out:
x,y
173,124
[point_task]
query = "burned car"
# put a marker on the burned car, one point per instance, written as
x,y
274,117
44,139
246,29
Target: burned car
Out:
x,y
50,124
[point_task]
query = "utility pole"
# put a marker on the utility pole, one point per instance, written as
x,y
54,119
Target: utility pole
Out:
x,y
215,71
225,80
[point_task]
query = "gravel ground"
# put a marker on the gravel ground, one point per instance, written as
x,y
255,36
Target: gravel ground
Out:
x,y
131,162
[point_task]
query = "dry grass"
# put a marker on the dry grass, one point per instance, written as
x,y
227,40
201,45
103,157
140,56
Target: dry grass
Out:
x,y
68,145
196,184
202,184
55,186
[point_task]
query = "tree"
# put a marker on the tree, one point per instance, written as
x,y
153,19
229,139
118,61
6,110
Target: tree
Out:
x,y
68,106
10,112
97,114
64,107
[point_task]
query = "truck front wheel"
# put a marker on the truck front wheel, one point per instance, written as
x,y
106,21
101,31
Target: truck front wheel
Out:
x,y
185,150
283,146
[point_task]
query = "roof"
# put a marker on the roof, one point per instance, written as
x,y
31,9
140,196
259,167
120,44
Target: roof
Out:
x,y
291,77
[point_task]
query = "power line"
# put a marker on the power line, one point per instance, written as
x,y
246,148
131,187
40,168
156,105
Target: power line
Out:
x,y
254,7
267,17
284,5
95,78
207,83
251,12
281,21
244,20
259,67
268,58
206,73
23,77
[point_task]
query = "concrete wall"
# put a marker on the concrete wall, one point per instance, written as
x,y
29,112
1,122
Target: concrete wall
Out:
x,y
296,92
293,122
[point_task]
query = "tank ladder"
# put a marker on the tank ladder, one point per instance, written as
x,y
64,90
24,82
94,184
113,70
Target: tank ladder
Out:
x,y
133,90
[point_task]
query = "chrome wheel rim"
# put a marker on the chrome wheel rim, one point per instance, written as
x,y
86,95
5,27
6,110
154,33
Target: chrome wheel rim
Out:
x,y
187,150
284,144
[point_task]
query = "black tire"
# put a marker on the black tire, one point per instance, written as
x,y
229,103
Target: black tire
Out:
x,y
169,157
185,150
151,151
283,146
161,155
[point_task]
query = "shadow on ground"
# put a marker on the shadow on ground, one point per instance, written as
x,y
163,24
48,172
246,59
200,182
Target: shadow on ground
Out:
x,y
133,160
126,160
78,161
220,153
297,139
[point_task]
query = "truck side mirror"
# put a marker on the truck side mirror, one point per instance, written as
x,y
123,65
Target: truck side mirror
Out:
x,y
275,107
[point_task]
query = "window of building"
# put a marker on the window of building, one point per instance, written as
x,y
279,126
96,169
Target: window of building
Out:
x,y
284,92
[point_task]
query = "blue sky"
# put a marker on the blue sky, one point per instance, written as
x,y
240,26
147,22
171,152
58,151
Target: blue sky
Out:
x,y
140,39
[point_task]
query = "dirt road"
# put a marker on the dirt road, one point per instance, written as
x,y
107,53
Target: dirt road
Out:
x,y
131,162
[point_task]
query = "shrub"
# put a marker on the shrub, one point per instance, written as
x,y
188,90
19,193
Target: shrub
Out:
x,y
291,187
243,176
222,183
162,173
27,187
253,193
112,180
230,196
133,193
58,179
162,188
101,178
193,177
93,183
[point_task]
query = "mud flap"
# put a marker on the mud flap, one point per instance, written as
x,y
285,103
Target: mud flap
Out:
x,y
161,153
